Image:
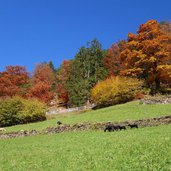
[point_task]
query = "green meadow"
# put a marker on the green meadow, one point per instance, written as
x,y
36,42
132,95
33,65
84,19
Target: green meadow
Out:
x,y
143,149
129,111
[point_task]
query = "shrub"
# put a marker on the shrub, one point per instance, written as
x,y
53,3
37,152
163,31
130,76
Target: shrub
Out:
x,y
33,111
9,110
115,90
17,110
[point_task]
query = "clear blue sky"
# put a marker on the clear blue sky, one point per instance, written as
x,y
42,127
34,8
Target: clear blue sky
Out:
x,y
34,31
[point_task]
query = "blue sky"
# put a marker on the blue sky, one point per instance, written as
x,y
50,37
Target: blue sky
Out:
x,y
34,31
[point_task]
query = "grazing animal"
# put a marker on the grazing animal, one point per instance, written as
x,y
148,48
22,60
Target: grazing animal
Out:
x,y
112,128
2,129
133,125
117,127
109,128
122,127
59,123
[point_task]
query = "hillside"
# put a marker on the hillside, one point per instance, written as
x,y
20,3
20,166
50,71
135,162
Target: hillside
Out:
x,y
132,149
128,111
135,149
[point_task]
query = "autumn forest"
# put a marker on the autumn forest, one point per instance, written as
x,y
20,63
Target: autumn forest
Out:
x,y
140,64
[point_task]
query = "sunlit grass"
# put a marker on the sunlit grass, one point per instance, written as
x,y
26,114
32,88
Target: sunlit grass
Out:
x,y
147,149
128,111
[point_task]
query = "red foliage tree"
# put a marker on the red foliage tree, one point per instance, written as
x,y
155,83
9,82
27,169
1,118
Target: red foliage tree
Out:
x,y
62,77
13,81
41,91
42,82
112,60
43,73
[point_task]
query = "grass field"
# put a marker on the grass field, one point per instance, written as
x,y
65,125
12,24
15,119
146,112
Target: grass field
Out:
x,y
128,111
144,149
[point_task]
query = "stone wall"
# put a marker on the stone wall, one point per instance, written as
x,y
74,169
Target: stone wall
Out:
x,y
163,120
60,110
156,100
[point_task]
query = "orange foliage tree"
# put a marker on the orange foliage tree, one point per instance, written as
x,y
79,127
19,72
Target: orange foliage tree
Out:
x,y
147,54
62,77
13,81
165,70
42,82
166,27
112,59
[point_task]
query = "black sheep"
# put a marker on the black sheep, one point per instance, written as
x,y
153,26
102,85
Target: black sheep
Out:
x,y
59,123
109,128
122,127
133,125
118,127
112,128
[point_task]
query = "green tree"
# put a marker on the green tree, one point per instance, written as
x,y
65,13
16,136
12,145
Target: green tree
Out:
x,y
86,70
51,65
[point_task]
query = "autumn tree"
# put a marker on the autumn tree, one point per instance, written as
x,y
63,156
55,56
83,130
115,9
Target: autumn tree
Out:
x,y
165,70
42,82
86,70
146,53
166,27
112,60
115,90
43,73
62,78
14,81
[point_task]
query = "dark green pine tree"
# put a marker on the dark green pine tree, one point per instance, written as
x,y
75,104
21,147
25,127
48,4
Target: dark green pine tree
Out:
x,y
51,65
86,70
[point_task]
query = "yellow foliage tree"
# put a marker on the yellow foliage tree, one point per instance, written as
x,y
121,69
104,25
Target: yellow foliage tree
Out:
x,y
115,90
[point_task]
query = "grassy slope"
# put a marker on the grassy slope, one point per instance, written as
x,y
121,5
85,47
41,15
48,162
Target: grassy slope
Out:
x,y
136,150
128,111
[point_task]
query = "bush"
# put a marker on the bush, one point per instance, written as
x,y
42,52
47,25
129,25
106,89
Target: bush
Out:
x,y
33,111
115,90
17,110
9,110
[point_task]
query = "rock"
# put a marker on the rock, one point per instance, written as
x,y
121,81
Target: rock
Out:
x,y
2,129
